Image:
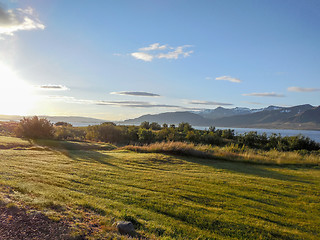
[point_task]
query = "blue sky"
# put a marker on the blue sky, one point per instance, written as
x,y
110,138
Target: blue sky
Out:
x,y
120,59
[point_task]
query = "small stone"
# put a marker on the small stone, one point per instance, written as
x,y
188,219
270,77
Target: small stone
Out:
x,y
125,227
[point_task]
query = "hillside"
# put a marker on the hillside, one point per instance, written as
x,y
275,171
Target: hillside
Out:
x,y
311,115
172,118
221,112
166,197
297,117
302,117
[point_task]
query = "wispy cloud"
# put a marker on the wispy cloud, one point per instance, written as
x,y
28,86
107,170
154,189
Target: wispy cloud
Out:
x,y
128,104
272,94
229,78
152,47
140,94
176,53
14,20
301,89
52,87
136,104
198,102
157,51
68,99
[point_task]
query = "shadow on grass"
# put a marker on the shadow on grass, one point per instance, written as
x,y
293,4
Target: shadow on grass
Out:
x,y
73,145
79,151
229,228
259,170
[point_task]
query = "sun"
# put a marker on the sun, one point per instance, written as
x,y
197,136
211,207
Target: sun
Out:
x,y
16,95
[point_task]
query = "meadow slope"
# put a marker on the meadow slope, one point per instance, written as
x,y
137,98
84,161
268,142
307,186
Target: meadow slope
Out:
x,y
166,197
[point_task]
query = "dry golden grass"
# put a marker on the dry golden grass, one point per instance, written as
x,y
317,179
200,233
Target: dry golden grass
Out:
x,y
230,152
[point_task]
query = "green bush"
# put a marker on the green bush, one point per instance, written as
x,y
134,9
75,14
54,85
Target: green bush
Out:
x,y
34,127
69,133
106,132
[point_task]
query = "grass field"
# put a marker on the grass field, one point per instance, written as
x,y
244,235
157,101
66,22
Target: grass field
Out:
x,y
165,196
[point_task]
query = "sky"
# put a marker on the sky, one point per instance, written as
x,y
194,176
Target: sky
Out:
x,y
116,60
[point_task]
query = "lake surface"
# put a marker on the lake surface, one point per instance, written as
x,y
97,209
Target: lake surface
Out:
x,y
314,135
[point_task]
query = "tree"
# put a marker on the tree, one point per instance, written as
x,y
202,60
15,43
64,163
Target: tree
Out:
x,y
34,127
145,125
64,124
145,135
155,126
227,133
184,127
105,132
212,129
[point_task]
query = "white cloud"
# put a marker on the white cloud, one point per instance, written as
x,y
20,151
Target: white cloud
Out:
x,y
272,94
142,56
301,89
152,47
176,53
14,20
229,78
160,52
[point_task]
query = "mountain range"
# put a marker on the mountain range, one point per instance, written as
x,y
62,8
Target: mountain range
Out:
x,y
171,118
297,117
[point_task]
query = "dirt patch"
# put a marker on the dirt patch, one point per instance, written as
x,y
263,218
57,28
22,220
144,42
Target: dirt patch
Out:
x,y
16,223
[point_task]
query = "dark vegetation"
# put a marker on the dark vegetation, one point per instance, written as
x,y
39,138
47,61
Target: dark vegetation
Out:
x,y
147,133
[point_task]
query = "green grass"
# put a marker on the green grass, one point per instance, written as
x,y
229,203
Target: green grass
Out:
x,y
167,197
12,142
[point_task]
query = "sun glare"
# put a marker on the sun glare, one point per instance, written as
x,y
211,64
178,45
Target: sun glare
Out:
x,y
16,96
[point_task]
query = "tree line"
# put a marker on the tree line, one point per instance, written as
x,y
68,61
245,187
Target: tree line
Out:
x,y
146,133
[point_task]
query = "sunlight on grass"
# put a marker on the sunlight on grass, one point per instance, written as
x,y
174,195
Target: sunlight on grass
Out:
x,y
167,197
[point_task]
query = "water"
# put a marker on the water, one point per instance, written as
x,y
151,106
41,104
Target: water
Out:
x,y
314,135
83,124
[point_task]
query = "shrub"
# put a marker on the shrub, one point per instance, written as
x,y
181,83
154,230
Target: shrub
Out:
x,y
106,132
145,135
8,128
155,126
34,127
64,124
69,133
145,125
